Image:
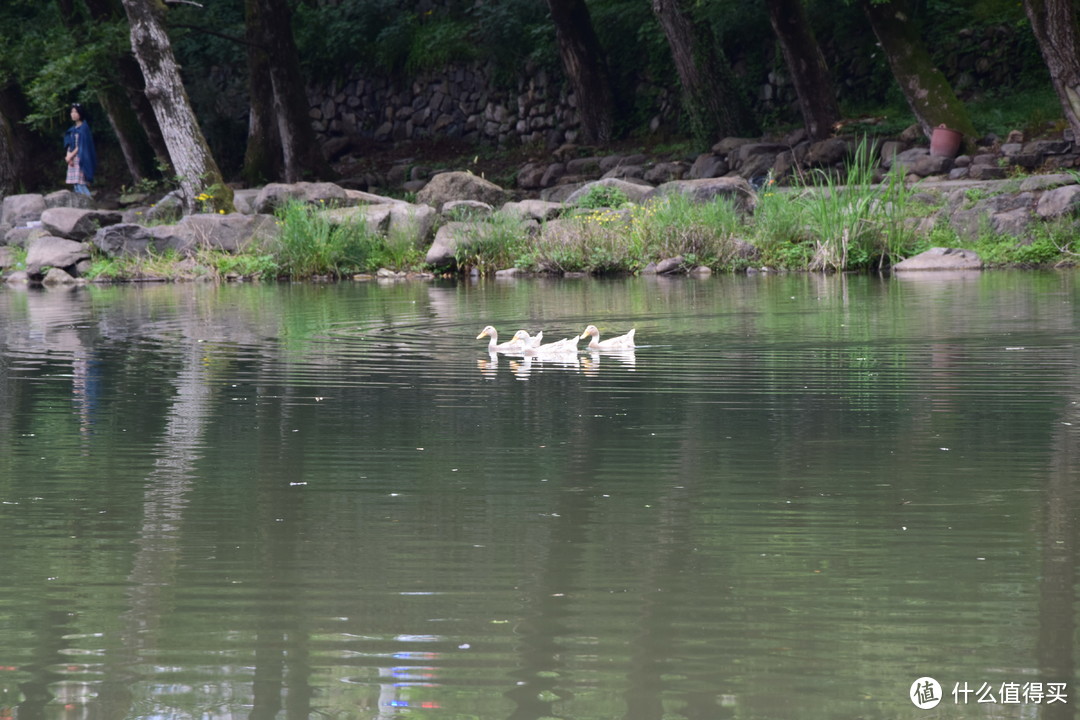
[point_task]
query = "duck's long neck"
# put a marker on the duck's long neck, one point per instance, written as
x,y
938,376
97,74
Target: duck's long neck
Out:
x,y
493,341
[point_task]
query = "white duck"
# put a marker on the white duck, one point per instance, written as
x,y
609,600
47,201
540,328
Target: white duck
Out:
x,y
559,347
622,342
520,341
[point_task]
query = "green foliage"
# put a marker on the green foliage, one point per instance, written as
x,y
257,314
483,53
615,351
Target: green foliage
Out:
x,y
513,32
780,231
310,245
170,266
18,256
491,244
1048,243
248,265
855,223
1028,109
603,196
439,43
627,240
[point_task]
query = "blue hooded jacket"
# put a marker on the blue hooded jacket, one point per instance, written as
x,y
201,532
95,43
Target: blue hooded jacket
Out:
x,y
87,154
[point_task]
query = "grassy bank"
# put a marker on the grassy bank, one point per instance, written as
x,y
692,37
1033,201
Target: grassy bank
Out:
x,y
824,223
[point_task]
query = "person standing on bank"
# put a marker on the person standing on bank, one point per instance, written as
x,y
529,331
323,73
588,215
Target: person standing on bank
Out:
x,y
79,151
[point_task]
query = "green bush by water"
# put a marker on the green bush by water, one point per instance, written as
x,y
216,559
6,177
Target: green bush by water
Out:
x,y
311,245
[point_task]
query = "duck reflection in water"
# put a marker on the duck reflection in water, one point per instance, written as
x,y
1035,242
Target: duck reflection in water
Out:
x,y
590,365
523,368
489,368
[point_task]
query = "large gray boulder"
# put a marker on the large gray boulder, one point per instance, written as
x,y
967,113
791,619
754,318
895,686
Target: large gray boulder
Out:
x,y
20,209
21,236
827,152
447,239
274,195
49,251
168,209
56,276
124,240
1059,202
941,259
448,186
75,223
1034,183
708,165
67,198
539,210
400,219
703,190
665,172
359,197
466,210
375,217
416,221
244,200
232,233
7,257
919,161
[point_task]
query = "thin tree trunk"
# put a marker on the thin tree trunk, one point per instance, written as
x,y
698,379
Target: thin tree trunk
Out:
x,y
1056,29
583,62
300,148
188,150
806,64
7,158
262,158
711,97
131,81
927,91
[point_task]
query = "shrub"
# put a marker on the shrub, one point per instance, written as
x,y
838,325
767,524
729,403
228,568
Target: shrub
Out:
x,y
311,245
603,196
491,244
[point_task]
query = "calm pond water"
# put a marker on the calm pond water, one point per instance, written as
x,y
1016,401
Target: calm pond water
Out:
x,y
798,496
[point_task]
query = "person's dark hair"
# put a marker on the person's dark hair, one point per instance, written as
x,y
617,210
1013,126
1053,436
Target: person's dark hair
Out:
x,y
81,110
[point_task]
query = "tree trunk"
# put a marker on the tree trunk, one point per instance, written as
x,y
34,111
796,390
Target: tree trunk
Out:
x,y
806,63
1056,29
7,158
130,79
33,163
300,148
262,158
188,150
710,94
583,62
927,91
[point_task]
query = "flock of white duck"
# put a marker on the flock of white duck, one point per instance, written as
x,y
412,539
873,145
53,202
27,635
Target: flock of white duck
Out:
x,y
532,346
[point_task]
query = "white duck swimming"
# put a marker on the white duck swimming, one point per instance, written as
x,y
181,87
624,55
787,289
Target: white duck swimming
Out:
x,y
622,342
520,341
559,347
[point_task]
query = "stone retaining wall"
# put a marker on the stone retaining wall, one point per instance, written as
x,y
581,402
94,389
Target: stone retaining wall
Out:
x,y
464,103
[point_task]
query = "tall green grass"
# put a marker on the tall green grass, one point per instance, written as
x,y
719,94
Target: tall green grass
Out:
x,y
310,245
851,220
630,238
494,243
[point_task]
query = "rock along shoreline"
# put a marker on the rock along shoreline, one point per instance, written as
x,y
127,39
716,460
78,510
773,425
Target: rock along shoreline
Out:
x,y
61,232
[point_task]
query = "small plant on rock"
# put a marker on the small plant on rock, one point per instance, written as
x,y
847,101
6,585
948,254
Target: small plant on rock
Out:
x,y
603,196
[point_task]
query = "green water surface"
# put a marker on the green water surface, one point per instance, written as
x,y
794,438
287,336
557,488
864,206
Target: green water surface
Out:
x,y
798,495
